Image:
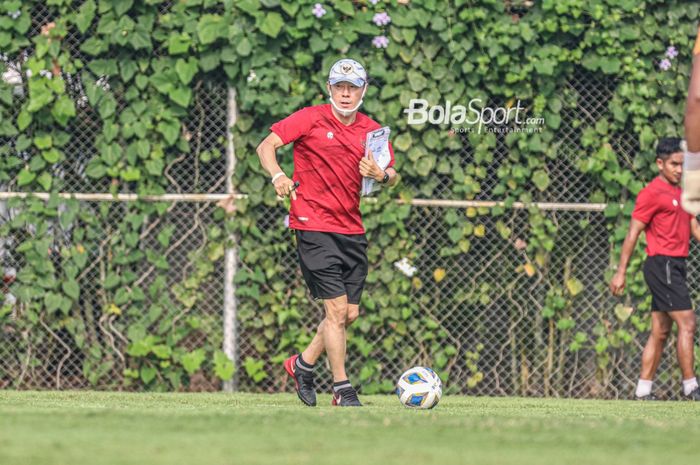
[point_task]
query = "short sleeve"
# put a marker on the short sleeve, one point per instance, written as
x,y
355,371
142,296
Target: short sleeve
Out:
x,y
391,152
295,125
644,206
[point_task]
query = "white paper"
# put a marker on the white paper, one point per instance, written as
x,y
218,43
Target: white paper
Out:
x,y
405,267
378,143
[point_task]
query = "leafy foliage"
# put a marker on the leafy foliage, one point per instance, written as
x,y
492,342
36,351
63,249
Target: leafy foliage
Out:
x,y
140,65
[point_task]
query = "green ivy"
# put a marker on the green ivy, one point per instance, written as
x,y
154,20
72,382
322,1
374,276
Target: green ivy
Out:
x,y
142,64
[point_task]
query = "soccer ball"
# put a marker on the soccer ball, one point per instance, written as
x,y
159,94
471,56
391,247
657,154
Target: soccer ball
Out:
x,y
419,387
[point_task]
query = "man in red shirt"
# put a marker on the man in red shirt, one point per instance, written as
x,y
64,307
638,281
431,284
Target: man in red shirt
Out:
x,y
329,163
658,212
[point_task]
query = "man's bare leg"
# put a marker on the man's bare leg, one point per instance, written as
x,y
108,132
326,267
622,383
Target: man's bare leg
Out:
x,y
334,335
686,322
690,198
316,347
651,356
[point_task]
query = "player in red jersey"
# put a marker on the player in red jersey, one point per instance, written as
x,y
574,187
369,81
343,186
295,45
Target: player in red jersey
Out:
x,y
329,163
658,212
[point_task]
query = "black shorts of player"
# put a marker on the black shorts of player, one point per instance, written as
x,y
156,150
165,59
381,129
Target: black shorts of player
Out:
x,y
333,264
666,278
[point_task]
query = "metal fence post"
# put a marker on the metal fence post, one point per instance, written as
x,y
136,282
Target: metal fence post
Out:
x,y
231,256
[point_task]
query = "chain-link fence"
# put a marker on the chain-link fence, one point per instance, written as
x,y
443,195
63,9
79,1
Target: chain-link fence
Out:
x,y
173,284
169,284
489,309
493,313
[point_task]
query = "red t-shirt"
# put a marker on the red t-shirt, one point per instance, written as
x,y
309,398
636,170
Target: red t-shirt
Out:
x,y
327,157
668,225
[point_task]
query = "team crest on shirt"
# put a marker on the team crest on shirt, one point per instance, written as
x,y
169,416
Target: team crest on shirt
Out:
x,y
329,135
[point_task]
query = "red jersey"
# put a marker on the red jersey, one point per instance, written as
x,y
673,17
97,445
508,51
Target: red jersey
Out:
x,y
668,225
327,157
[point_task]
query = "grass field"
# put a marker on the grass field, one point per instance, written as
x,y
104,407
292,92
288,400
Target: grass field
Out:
x,y
91,428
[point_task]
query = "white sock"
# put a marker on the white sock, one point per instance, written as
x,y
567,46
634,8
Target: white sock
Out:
x,y
643,387
689,385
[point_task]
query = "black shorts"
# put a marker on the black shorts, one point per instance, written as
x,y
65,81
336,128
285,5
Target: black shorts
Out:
x,y
666,278
333,264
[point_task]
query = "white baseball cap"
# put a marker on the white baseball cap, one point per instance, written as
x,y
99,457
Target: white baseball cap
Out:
x,y
347,70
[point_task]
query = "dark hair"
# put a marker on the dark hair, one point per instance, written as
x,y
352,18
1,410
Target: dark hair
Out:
x,y
668,146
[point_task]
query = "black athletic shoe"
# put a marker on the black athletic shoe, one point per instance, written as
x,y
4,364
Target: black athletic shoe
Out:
x,y
647,397
346,398
694,395
303,381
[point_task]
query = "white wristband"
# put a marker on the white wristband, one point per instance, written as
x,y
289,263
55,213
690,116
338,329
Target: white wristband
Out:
x,y
277,176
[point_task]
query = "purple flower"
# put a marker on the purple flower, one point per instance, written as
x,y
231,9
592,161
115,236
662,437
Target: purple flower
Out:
x,y
671,52
318,10
665,64
374,2
381,19
380,42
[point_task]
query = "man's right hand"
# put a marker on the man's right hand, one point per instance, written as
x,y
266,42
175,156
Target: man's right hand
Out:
x,y
285,187
617,283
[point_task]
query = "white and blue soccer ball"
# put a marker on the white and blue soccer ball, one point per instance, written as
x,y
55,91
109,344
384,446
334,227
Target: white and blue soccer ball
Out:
x,y
420,388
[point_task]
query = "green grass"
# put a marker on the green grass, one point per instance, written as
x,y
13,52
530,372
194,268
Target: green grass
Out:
x,y
91,428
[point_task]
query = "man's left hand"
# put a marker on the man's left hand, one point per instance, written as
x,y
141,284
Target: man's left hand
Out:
x,y
370,169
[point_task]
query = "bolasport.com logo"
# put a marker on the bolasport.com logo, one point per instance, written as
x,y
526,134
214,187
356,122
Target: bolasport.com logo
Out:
x,y
477,117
